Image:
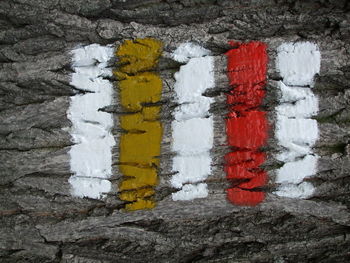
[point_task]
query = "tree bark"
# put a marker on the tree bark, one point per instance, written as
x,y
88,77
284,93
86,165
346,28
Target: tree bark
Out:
x,y
42,222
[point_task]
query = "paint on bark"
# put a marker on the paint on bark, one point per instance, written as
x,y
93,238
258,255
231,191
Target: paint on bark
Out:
x,y
192,129
296,131
140,91
91,154
246,124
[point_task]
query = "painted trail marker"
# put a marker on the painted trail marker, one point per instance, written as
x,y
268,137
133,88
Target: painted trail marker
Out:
x,y
192,128
140,143
246,125
91,157
140,89
295,130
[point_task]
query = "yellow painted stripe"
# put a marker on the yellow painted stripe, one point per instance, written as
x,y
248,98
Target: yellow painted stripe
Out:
x,y
139,146
139,55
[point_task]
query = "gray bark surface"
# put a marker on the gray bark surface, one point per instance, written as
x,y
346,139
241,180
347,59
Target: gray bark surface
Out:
x,y
39,219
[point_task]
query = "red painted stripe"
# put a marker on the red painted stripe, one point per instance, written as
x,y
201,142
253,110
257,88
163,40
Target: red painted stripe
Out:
x,y
247,130
246,125
243,197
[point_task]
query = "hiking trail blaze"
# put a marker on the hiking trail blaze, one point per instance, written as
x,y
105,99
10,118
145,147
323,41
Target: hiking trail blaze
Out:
x,y
246,125
140,91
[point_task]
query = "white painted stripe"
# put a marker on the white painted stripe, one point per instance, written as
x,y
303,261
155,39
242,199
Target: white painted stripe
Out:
x,y
302,190
190,192
186,51
296,135
91,155
193,130
297,102
192,136
186,173
295,172
295,131
298,63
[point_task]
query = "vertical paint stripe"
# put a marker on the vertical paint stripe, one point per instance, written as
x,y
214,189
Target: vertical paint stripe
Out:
x,y
193,126
91,157
140,91
246,125
295,130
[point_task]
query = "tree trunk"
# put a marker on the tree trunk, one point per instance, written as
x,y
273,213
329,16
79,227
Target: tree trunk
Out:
x,y
42,222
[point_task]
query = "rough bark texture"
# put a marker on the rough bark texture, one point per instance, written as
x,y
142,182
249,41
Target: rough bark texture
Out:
x,y
42,222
